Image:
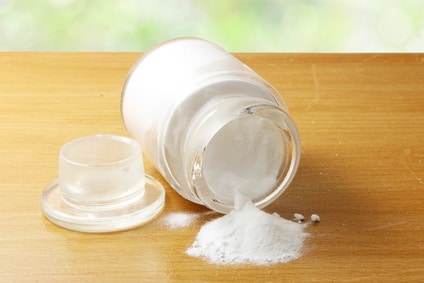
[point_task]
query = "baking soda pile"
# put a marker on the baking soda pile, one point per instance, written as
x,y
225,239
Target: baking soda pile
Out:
x,y
249,235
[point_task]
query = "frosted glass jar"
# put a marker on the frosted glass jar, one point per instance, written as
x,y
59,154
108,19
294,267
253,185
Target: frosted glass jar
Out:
x,y
212,127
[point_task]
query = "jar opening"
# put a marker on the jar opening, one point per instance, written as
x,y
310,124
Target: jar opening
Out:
x,y
254,155
244,157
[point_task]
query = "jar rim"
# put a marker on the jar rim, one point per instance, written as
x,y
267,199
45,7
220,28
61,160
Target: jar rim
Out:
x,y
286,127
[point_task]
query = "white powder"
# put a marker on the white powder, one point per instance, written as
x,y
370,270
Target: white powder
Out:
x,y
249,235
182,219
315,218
298,217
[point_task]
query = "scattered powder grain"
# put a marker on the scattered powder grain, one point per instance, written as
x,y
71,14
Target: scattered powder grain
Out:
x,y
249,235
183,219
180,219
298,217
315,218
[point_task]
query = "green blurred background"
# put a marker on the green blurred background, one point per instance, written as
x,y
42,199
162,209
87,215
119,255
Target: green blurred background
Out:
x,y
237,25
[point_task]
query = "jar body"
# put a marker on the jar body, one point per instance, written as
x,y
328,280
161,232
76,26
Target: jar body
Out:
x,y
212,127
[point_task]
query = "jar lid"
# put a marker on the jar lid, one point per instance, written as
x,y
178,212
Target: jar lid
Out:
x,y
102,186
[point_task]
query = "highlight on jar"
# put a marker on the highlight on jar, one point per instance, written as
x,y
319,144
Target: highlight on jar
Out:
x,y
211,126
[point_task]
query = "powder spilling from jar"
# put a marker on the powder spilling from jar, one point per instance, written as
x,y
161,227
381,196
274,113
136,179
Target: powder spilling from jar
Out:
x,y
249,235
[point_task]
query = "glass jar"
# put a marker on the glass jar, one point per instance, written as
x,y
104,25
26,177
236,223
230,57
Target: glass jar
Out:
x,y
212,127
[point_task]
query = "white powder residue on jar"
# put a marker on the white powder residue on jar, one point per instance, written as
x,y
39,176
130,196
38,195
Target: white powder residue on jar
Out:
x,y
249,235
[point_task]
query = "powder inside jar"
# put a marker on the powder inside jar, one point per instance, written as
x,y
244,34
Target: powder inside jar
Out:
x,y
246,156
249,235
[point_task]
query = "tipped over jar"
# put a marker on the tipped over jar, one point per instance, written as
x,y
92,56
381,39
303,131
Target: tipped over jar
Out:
x,y
213,128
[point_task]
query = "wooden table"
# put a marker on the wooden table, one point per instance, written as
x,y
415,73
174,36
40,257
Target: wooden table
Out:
x,y
361,120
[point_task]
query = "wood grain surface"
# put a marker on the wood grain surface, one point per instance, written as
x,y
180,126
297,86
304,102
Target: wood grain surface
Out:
x,y
361,120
